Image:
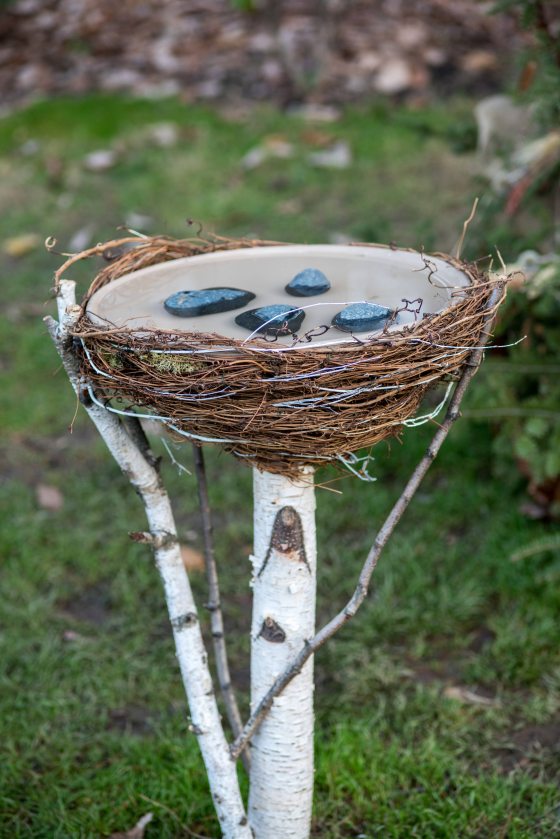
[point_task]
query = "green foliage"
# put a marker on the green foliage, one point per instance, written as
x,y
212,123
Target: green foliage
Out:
x,y
540,18
244,5
521,389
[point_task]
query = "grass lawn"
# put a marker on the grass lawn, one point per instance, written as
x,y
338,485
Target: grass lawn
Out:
x,y
93,722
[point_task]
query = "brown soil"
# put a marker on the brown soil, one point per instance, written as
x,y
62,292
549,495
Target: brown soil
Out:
x,y
537,743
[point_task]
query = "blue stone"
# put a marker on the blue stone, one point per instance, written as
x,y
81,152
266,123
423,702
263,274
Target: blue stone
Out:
x,y
308,283
271,320
206,301
360,317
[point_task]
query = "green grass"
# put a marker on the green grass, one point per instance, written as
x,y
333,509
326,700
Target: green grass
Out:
x,y
93,721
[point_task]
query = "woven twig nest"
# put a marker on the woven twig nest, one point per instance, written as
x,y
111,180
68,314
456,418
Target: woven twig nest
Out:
x,y
279,403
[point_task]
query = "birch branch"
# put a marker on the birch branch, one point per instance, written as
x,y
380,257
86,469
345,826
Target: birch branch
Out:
x,y
214,605
138,437
131,456
360,593
284,563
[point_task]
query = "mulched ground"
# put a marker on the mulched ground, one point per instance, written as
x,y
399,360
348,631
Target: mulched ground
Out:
x,y
289,52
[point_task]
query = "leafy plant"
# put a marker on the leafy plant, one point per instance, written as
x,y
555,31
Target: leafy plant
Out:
x,y
521,388
540,79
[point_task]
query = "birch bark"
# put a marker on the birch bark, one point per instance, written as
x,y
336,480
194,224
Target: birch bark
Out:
x,y
191,654
284,586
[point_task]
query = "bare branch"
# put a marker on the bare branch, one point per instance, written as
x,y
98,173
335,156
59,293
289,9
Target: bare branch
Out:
x,y
214,605
466,223
336,623
138,437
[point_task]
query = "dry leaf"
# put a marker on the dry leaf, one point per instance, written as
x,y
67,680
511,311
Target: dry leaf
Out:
x,y
20,246
317,139
193,560
100,160
393,77
136,832
337,156
164,134
272,146
315,112
460,694
49,497
70,636
479,61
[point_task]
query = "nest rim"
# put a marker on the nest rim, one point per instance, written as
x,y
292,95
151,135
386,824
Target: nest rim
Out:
x,y
313,432
257,341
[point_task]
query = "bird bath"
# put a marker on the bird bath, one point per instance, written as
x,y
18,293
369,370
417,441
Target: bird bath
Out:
x,y
181,341
356,274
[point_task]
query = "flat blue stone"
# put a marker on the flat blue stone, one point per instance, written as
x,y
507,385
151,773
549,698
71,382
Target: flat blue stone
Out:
x,y
308,283
271,320
360,317
206,301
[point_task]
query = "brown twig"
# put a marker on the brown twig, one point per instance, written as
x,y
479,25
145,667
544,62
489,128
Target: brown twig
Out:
x,y
360,593
461,242
214,604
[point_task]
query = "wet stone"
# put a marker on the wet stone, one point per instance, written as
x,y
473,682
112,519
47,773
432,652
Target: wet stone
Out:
x,y
206,301
308,283
271,320
359,317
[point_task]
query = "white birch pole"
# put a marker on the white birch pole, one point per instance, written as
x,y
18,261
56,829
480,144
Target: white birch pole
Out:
x,y
206,723
284,585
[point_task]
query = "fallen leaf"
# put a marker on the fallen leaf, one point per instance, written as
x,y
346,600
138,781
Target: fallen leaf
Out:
x,y
274,145
480,61
164,134
316,138
30,147
71,637
254,157
337,156
20,246
278,145
394,76
136,832
411,36
314,112
49,497
100,161
461,694
193,560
